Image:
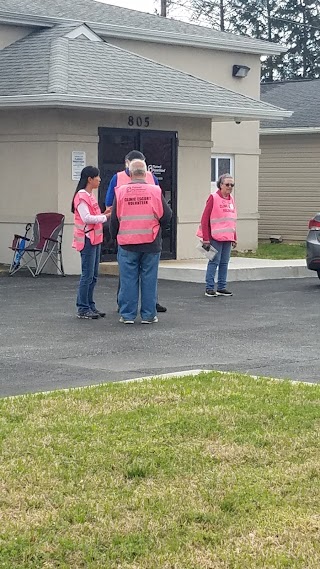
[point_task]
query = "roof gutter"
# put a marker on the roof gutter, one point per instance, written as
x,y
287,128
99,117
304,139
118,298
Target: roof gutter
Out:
x,y
158,36
113,104
293,130
151,35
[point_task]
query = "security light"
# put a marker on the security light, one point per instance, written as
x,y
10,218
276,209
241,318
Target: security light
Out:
x,y
240,71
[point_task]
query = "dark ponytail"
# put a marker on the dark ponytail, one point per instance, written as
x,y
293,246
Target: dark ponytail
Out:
x,y
87,172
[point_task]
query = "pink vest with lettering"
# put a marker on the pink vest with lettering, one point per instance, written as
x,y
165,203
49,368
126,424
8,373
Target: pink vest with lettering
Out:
x,y
223,219
123,178
83,230
139,208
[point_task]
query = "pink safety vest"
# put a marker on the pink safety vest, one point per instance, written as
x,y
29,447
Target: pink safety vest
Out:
x,y
139,208
82,230
222,219
123,178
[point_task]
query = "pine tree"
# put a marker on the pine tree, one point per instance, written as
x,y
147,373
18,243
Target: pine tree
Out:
x,y
300,20
257,18
292,23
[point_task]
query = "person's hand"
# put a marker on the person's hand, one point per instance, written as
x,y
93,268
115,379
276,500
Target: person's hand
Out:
x,y
234,244
108,210
206,245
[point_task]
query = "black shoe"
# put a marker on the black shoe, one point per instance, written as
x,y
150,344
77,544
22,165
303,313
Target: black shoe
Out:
x,y
224,292
89,314
160,308
96,311
210,292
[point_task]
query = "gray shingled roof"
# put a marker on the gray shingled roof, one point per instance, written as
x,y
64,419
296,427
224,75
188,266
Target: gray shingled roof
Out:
x,y
47,66
97,14
301,97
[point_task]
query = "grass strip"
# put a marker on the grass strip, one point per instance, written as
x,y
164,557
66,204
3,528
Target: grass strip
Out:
x,y
275,251
209,472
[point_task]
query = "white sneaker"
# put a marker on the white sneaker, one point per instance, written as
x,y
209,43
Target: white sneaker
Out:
x,y
126,321
151,321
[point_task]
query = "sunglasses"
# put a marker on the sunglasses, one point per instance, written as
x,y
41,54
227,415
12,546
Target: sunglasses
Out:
x,y
229,185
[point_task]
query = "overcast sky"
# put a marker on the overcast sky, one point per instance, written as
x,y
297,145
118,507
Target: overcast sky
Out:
x,y
149,6
143,5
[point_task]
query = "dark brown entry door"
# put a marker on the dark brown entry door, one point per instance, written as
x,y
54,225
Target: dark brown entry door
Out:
x,y
160,150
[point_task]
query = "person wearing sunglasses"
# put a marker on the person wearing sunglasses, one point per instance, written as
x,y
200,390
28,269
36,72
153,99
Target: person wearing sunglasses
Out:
x,y
218,228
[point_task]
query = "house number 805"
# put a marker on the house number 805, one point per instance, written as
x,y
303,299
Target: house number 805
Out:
x,y
139,121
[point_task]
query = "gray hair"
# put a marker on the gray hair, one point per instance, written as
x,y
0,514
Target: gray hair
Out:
x,y
222,178
137,169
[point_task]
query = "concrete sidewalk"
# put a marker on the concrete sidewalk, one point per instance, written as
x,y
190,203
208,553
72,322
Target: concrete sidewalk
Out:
x,y
240,269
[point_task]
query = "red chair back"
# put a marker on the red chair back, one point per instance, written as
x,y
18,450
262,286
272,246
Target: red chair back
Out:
x,y
46,225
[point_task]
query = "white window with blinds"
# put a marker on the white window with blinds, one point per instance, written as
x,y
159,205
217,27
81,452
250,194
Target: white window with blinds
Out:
x,y
220,164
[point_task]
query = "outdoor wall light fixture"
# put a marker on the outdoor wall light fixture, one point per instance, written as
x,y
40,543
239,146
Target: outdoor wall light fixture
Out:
x,y
240,71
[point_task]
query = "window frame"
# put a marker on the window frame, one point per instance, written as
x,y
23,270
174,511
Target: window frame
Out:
x,y
216,157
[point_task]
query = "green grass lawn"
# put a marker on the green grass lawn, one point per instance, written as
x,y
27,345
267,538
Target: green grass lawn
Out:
x,y
276,251
210,472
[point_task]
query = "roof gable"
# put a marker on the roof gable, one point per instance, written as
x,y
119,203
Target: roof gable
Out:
x,y
84,32
114,21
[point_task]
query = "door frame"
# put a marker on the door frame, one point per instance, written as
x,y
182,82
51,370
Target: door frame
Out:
x,y
139,133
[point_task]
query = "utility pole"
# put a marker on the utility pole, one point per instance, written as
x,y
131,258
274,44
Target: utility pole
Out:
x,y
305,41
164,8
269,27
222,26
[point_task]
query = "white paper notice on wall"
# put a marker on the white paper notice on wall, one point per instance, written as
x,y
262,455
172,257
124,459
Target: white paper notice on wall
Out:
x,y
78,163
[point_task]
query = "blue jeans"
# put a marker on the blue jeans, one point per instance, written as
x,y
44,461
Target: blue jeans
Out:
x,y
138,270
221,260
90,258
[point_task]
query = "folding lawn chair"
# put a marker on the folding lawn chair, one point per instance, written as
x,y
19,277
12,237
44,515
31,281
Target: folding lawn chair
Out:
x,y
45,244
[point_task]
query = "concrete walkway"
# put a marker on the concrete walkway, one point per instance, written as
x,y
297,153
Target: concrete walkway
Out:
x,y
240,269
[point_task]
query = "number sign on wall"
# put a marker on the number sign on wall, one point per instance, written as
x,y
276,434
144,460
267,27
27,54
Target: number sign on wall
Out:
x,y
140,122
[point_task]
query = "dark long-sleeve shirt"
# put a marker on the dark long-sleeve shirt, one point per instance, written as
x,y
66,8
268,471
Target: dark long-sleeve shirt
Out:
x,y
156,245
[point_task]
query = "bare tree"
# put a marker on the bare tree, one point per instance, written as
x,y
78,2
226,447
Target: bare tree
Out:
x,y
163,8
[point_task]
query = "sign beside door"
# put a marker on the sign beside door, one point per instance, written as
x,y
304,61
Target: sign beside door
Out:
x,y
78,162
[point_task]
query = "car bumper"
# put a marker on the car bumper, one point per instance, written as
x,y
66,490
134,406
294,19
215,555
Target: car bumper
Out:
x,y
313,250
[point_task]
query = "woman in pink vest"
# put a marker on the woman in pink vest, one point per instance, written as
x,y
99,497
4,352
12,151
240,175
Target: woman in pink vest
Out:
x,y
87,239
218,228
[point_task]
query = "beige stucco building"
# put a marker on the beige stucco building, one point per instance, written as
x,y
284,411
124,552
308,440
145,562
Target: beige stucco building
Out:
x,y
70,83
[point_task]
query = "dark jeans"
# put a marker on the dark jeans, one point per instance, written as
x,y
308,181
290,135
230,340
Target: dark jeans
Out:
x,y
90,259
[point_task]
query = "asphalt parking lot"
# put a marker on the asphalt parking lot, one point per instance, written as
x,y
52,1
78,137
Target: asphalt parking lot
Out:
x,y
267,328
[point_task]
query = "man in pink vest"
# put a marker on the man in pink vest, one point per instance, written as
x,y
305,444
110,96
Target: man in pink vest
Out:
x,y
218,228
138,213
121,178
